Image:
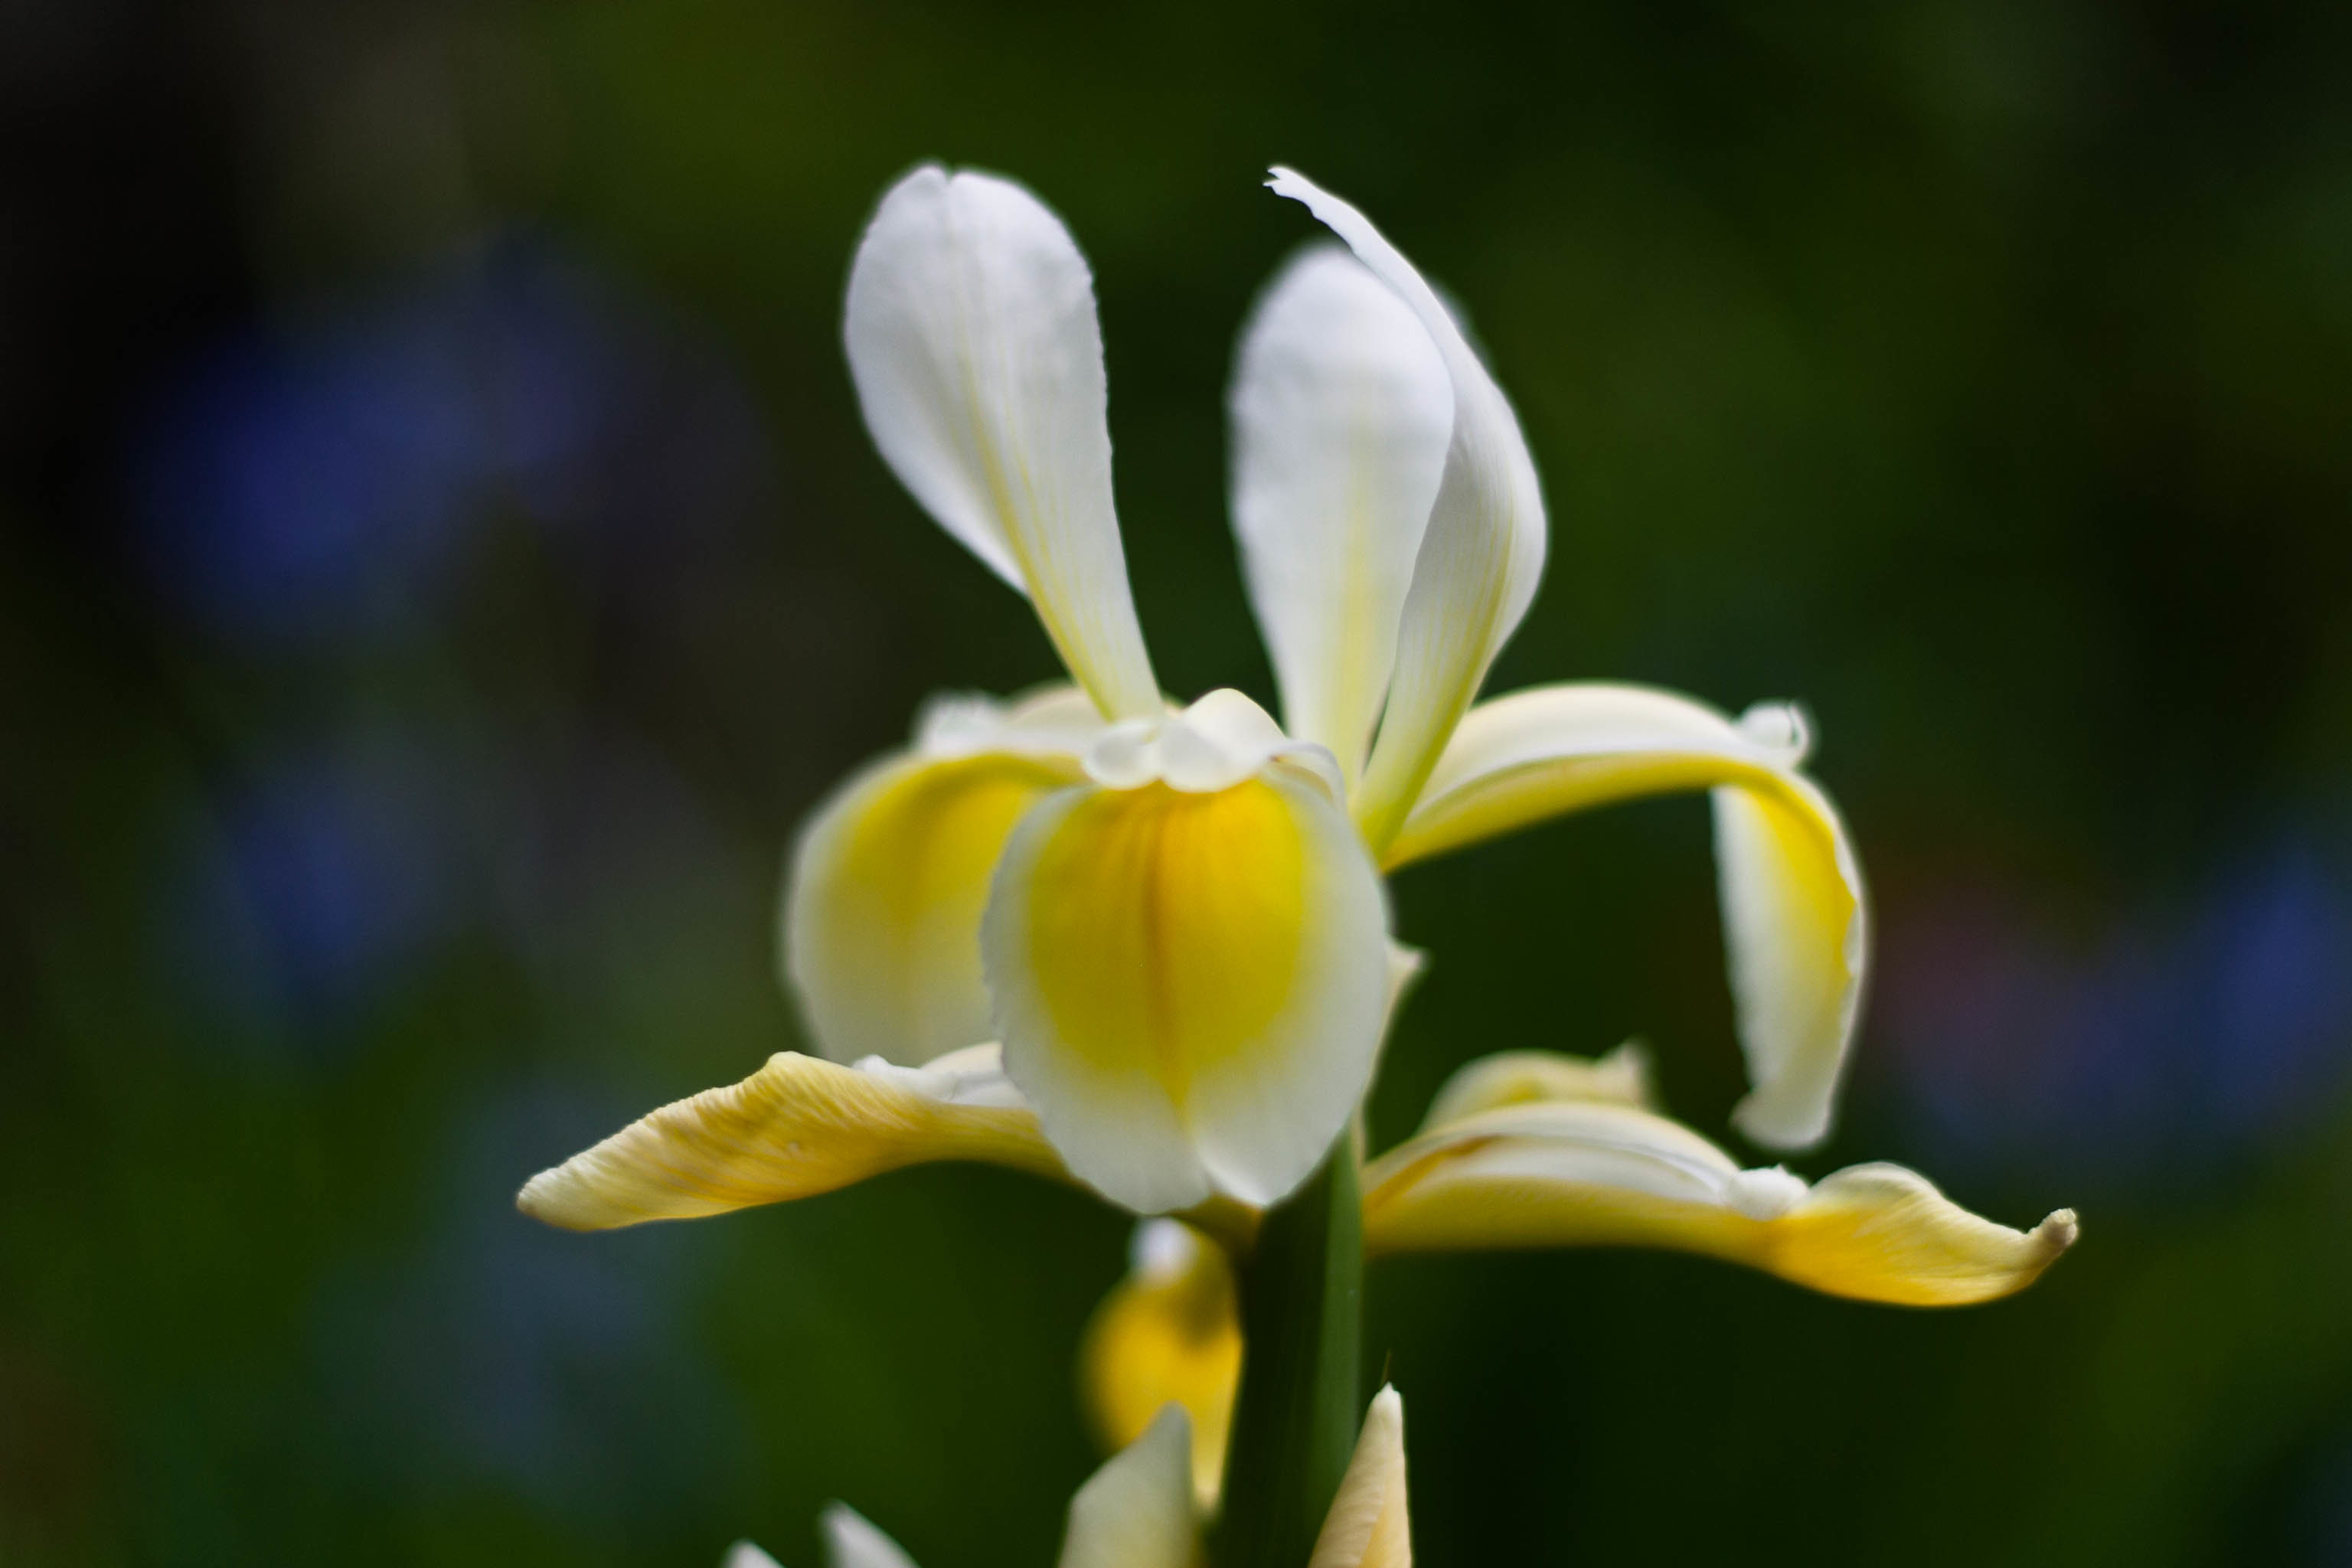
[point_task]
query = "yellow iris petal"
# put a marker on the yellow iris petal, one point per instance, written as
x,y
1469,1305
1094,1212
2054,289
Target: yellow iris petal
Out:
x,y
1170,1332
1590,1174
1189,984
882,918
797,1126
1880,1233
1147,947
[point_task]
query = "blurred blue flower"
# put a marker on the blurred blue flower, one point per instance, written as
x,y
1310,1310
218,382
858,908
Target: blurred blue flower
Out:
x,y
497,1352
316,482
2173,1045
319,879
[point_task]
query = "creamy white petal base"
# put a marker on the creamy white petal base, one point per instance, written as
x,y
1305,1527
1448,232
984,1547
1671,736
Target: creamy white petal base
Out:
x,y
1137,1512
1369,1525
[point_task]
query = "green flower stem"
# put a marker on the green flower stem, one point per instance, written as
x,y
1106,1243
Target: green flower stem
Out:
x,y
1302,1319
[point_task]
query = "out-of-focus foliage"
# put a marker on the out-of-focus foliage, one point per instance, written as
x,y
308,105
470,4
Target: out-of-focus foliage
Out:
x,y
442,564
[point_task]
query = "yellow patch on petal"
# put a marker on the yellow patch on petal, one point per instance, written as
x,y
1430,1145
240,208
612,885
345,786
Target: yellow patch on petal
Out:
x,y
1189,984
797,1126
882,926
1165,926
1170,1331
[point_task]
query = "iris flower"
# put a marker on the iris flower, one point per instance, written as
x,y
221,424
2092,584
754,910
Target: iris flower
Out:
x,y
1138,1510
1172,918
1145,948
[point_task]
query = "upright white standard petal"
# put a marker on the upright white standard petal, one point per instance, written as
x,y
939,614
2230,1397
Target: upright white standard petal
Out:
x,y
1795,918
978,358
1137,1510
1480,556
1341,410
851,1541
1368,1526
744,1555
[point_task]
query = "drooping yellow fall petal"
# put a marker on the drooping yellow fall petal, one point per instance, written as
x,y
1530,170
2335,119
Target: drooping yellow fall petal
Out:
x,y
798,1127
882,907
1189,984
1796,926
1589,1173
1170,1331
1137,1510
1368,1526
978,359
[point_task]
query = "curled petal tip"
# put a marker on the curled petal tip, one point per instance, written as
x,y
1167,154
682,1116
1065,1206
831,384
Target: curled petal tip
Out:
x,y
532,1198
2059,1232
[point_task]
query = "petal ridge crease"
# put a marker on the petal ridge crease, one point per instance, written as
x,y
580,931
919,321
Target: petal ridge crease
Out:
x,y
798,1127
1340,411
1481,555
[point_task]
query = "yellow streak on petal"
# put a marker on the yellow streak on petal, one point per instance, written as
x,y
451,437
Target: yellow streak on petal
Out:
x,y
796,1128
1166,927
883,929
1796,935
1162,1335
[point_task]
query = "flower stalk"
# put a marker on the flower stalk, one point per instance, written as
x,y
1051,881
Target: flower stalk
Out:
x,y
1302,1301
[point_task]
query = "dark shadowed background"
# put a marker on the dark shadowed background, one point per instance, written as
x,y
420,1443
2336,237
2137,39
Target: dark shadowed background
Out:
x,y
443,564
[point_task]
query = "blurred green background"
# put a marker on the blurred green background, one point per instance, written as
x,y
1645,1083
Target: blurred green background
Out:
x,y
443,564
